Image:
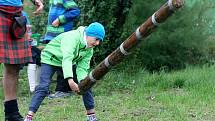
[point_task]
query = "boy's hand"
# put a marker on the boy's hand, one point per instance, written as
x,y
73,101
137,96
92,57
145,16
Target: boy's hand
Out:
x,y
40,47
73,86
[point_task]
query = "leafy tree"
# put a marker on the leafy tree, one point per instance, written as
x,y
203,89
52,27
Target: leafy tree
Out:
x,y
185,38
181,40
112,14
39,22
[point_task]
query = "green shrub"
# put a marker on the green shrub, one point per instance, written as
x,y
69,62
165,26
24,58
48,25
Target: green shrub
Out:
x,y
179,41
185,38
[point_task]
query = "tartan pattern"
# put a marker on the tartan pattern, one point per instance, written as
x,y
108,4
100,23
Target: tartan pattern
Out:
x,y
12,51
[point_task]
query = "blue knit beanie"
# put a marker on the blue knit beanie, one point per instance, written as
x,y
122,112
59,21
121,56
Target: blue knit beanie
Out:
x,y
95,30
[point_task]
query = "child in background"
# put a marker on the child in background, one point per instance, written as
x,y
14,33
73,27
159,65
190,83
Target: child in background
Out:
x,y
33,68
61,17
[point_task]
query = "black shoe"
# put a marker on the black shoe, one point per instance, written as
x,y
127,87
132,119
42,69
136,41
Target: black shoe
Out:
x,y
14,117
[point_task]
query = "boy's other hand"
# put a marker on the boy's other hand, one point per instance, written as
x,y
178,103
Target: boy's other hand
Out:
x,y
56,23
73,85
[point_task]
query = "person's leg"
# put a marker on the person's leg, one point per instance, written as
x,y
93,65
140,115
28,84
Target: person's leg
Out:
x,y
31,70
10,79
37,74
38,63
89,105
42,89
88,101
62,86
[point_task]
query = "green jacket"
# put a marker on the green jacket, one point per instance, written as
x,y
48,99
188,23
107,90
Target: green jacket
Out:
x,y
67,49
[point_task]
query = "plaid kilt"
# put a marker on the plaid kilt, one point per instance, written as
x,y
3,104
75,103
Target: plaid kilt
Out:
x,y
12,51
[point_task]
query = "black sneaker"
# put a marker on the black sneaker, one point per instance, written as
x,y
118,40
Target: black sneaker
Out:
x,y
14,117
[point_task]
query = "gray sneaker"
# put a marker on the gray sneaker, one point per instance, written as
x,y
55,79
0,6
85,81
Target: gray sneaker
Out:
x,y
59,94
91,117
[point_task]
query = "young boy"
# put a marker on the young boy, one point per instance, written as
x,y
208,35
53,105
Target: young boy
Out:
x,y
67,49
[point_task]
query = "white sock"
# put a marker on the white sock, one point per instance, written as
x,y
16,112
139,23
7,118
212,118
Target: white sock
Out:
x,y
32,76
37,74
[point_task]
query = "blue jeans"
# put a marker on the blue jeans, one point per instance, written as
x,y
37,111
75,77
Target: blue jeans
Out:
x,y
42,90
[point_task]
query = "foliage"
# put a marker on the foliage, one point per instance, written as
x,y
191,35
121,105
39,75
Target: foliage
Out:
x,y
111,14
181,40
38,22
185,38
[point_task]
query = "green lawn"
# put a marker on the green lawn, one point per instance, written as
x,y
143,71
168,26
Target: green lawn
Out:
x,y
136,95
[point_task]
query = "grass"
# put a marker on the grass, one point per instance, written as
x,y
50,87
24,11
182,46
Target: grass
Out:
x,y
136,95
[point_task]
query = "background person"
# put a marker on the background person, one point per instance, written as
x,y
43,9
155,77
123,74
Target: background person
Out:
x,y
14,50
62,14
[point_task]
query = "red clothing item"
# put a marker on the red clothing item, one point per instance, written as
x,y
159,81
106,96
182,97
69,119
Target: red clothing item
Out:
x,y
12,51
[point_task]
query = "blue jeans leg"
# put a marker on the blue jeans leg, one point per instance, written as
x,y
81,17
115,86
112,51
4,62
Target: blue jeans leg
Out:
x,y
88,100
42,89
